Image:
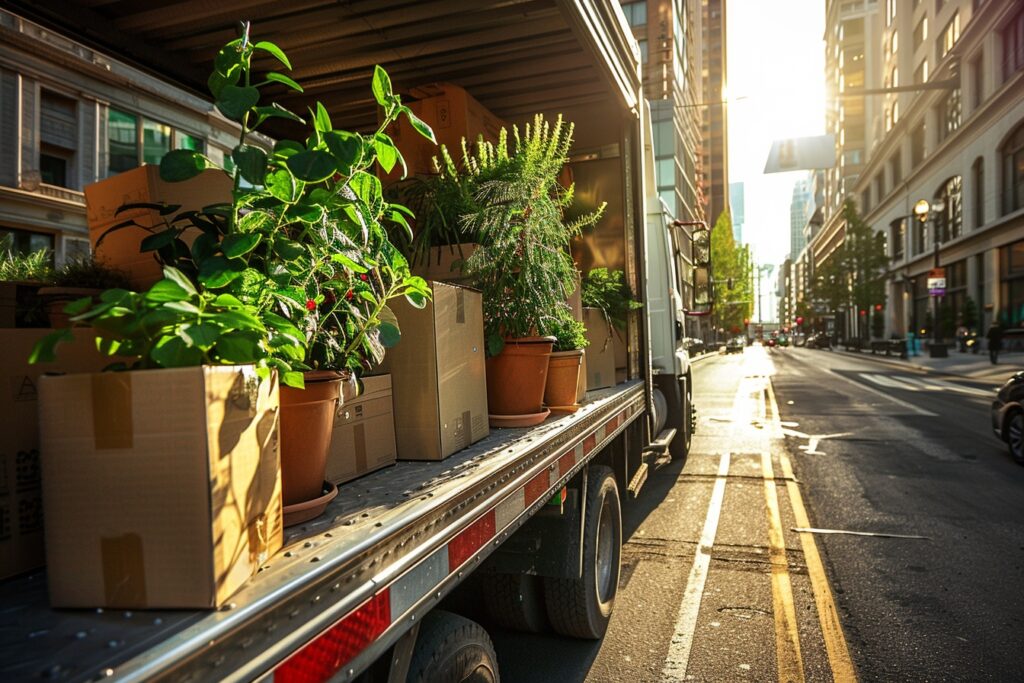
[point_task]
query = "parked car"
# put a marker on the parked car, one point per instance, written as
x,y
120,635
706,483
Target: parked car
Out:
x,y
770,342
783,340
1008,416
694,346
735,345
818,340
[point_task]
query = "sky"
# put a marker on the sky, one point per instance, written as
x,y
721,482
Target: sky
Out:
x,y
775,89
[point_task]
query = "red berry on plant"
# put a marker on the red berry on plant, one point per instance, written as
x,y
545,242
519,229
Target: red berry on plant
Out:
x,y
310,305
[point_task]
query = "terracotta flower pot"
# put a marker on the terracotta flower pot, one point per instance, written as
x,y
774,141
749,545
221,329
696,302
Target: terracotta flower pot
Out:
x,y
516,376
307,420
563,378
56,298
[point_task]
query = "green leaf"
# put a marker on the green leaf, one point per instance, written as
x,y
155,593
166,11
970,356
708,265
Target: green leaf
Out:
x,y
78,306
239,244
238,347
293,379
287,148
116,297
218,80
251,162
387,153
182,164
178,278
381,86
282,185
166,290
201,335
288,249
239,320
416,299
45,349
367,187
175,352
158,241
421,126
234,101
227,301
229,58
217,272
281,78
186,307
495,344
346,147
348,263
397,217
390,334
312,166
276,111
321,119
267,46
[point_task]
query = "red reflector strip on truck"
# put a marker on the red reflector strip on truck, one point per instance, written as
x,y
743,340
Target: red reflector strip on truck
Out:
x,y
327,654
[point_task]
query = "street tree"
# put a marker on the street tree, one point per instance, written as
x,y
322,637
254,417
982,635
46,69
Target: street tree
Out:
x,y
734,293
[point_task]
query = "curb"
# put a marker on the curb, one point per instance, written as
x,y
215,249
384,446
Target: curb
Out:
x,y
907,364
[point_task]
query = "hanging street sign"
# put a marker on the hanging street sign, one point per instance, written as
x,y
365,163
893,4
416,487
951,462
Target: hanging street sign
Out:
x,y
937,282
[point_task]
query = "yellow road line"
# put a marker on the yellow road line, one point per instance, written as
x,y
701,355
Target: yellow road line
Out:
x,y
831,629
787,634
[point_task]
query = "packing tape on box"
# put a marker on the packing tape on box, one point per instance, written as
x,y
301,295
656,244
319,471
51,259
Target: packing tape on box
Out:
x,y
359,434
258,531
112,410
124,570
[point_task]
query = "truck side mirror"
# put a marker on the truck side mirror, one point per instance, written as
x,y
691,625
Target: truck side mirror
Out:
x,y
703,296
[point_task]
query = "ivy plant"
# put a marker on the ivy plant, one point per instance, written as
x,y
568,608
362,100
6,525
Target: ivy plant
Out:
x,y
304,238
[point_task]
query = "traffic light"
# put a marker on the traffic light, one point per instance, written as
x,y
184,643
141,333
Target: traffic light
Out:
x,y
746,321
799,320
878,307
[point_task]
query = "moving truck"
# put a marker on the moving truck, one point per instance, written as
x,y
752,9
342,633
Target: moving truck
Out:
x,y
527,521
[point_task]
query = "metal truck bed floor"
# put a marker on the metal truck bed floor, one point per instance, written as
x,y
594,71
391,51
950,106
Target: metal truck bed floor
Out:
x,y
378,526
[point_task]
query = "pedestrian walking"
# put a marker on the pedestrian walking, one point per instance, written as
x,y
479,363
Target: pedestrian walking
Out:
x,y
961,338
995,341
912,344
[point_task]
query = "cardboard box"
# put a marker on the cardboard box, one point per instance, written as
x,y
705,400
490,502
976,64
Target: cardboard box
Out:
x,y
21,504
445,263
161,488
439,374
453,114
600,350
363,439
121,249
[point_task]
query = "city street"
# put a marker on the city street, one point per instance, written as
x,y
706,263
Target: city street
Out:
x,y
926,589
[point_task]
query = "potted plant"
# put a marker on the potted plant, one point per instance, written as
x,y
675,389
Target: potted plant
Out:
x,y
523,266
21,276
77,278
561,392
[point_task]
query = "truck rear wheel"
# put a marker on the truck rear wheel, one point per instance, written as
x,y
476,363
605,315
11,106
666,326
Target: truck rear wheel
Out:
x,y
680,446
452,649
515,601
582,608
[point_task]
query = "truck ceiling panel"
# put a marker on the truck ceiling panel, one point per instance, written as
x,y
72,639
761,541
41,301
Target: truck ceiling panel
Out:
x,y
515,56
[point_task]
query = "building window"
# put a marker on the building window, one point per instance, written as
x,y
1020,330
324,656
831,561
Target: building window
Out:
x,y
123,139
890,11
949,221
58,139
156,141
977,82
865,201
896,169
879,187
948,37
978,191
643,50
25,242
852,157
920,236
895,43
1013,171
917,146
636,13
950,114
183,140
920,33
1011,269
1013,45
898,233
921,72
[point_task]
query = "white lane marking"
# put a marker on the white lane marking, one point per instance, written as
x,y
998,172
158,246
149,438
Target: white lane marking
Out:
x,y
909,406
890,382
943,385
678,657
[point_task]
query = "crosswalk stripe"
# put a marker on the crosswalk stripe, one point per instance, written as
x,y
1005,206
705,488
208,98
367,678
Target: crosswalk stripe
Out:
x,y
920,383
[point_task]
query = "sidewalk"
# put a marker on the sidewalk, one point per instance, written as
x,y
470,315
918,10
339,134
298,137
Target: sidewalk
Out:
x,y
971,365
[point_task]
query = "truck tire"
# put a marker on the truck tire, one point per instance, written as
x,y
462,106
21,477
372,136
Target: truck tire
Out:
x,y
452,649
515,601
582,608
680,446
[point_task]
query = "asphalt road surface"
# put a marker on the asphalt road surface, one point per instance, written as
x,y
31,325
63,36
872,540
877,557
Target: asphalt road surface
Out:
x,y
717,586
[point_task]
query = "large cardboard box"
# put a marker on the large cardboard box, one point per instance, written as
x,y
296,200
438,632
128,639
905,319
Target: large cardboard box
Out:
x,y
600,350
161,488
439,374
21,504
453,114
363,439
143,185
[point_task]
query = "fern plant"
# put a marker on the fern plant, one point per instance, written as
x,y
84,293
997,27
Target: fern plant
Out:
x,y
15,267
523,266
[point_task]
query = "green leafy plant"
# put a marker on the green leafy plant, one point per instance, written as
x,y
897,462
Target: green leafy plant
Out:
x,y
15,267
89,273
608,291
523,266
303,240
569,333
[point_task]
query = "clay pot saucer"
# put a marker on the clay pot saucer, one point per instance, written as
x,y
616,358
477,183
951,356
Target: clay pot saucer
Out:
x,y
527,420
309,509
564,410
